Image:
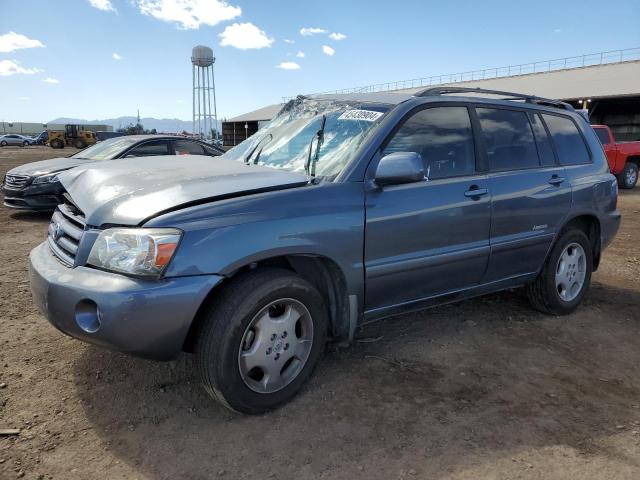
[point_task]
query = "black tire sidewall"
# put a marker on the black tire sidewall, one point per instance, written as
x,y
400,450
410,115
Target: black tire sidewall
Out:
x,y
231,330
558,305
3,144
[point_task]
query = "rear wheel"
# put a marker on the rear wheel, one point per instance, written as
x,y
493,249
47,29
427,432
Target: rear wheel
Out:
x,y
260,340
565,277
25,143
629,176
79,144
3,143
57,143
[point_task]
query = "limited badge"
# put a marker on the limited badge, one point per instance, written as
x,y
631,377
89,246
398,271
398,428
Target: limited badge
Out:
x,y
363,115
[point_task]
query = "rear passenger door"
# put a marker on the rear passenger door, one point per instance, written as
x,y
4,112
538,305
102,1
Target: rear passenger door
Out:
x,y
150,148
187,147
428,238
530,193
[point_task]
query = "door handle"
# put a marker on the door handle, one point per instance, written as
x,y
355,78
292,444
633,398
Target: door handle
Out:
x,y
556,180
475,192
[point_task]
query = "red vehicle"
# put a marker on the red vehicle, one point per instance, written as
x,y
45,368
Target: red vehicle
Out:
x,y
623,157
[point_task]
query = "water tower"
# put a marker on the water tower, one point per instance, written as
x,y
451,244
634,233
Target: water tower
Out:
x,y
204,86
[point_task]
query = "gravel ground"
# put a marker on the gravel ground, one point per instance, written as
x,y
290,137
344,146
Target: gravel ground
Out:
x,y
487,388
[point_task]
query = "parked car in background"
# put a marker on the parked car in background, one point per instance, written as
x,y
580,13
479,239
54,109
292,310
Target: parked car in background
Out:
x,y
35,185
342,210
623,157
13,139
41,139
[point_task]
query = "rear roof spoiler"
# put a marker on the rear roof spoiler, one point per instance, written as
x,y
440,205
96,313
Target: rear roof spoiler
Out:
x,y
506,95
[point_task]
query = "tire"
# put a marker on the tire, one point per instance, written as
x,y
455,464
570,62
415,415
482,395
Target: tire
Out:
x,y
57,143
3,143
226,343
79,144
25,144
545,294
628,178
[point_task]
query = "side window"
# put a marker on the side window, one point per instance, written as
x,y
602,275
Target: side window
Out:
x,y
155,147
442,136
185,147
567,139
508,139
545,150
603,135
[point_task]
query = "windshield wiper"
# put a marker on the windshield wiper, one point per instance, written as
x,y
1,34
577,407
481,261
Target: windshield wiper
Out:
x,y
310,166
258,143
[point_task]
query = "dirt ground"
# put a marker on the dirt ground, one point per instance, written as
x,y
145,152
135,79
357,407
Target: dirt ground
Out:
x,y
483,389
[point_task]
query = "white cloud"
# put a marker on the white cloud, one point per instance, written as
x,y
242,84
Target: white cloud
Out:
x,y
244,36
327,50
24,99
15,41
116,56
51,80
12,67
288,66
300,54
557,30
286,40
189,14
337,36
308,31
104,5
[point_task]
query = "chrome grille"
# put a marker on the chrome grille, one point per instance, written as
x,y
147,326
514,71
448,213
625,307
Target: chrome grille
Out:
x,y
16,182
65,231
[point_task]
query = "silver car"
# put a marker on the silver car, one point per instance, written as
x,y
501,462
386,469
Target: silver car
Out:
x,y
15,139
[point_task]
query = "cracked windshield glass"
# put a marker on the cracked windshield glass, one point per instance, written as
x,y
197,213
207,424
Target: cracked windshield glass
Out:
x,y
310,136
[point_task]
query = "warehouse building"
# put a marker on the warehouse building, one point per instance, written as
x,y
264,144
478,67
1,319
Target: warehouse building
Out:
x,y
237,129
32,128
607,84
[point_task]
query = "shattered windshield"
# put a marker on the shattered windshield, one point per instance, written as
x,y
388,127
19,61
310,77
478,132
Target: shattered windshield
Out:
x,y
287,142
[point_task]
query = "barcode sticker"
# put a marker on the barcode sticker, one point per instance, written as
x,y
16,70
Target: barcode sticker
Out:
x,y
364,115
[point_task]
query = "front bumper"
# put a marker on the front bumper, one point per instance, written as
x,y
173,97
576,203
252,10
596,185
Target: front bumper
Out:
x,y
36,197
146,318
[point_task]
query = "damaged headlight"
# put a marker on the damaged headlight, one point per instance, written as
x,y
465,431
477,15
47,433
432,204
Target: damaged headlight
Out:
x,y
53,177
135,251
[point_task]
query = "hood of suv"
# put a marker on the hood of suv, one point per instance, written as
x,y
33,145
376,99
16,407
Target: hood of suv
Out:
x,y
52,165
127,193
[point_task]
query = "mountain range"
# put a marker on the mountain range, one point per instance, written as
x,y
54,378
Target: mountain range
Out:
x,y
162,125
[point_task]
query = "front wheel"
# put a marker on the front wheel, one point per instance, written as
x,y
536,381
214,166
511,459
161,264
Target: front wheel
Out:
x,y
25,144
3,143
565,276
628,178
260,340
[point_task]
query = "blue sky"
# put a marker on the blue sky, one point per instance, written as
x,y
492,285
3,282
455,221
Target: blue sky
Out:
x,y
384,41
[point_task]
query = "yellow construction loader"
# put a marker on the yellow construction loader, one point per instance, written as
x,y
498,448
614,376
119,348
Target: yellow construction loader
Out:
x,y
72,136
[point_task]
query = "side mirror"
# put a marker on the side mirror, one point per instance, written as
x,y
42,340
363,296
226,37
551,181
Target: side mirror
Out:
x,y
400,167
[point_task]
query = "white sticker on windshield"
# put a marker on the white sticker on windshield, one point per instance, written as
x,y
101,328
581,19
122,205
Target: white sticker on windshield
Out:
x,y
364,115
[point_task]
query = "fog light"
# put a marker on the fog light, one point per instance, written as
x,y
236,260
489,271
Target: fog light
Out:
x,y
88,316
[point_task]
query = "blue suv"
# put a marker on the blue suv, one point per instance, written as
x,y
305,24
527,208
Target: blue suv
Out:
x,y
344,209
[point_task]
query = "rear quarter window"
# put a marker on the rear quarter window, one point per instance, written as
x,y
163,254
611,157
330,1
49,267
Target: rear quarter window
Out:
x,y
568,141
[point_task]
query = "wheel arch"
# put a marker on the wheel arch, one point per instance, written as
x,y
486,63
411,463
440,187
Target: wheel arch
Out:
x,y
322,272
590,225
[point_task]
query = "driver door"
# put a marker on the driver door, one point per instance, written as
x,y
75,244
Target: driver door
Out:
x,y
428,238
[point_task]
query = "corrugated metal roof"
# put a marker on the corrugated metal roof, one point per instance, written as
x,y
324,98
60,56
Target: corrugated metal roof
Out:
x,y
600,81
264,113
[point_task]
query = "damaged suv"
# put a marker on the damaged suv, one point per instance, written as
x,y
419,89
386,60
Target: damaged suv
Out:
x,y
342,210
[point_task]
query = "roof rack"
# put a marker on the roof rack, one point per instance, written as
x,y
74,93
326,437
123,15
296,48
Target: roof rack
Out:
x,y
508,95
